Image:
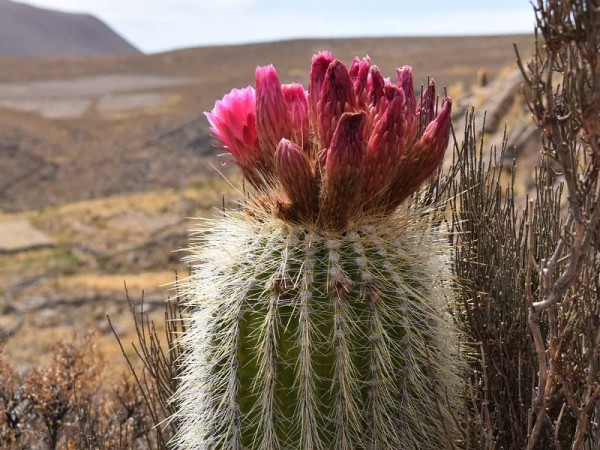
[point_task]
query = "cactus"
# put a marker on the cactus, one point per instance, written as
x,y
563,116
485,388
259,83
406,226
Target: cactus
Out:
x,y
318,310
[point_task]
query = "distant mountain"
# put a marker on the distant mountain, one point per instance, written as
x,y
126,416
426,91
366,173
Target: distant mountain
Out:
x,y
30,31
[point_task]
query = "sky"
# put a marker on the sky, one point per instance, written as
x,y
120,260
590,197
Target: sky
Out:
x,y
160,25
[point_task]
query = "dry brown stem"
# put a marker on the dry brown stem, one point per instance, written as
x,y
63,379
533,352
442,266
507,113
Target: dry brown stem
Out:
x,y
562,85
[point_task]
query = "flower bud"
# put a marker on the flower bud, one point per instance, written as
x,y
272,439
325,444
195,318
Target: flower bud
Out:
x,y
337,97
426,107
318,68
359,74
297,101
297,179
376,84
344,171
423,159
437,133
384,149
405,81
273,118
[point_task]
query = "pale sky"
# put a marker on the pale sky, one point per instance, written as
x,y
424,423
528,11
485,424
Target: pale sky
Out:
x,y
158,25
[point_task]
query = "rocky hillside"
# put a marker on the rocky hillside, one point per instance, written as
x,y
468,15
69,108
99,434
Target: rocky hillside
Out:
x,y
29,31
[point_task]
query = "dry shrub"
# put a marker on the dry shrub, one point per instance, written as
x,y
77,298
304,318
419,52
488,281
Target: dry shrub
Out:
x,y
155,382
530,278
68,404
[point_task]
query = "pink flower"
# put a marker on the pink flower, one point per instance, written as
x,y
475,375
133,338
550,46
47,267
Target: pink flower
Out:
x,y
354,145
233,122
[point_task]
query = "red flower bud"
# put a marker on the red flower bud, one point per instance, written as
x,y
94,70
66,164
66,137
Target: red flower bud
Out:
x,y
344,171
405,81
437,133
423,159
426,107
376,84
337,97
297,101
273,118
318,68
296,176
359,74
386,145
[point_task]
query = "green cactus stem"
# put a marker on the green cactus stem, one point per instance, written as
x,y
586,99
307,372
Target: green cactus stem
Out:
x,y
304,340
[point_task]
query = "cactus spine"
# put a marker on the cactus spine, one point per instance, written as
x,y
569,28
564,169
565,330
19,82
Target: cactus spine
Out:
x,y
317,312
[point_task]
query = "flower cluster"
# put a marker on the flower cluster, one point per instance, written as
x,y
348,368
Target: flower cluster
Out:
x,y
354,144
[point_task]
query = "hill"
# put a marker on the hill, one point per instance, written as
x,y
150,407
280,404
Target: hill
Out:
x,y
30,31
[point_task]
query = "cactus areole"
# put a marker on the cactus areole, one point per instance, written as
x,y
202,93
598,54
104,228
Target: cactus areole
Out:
x,y
318,310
